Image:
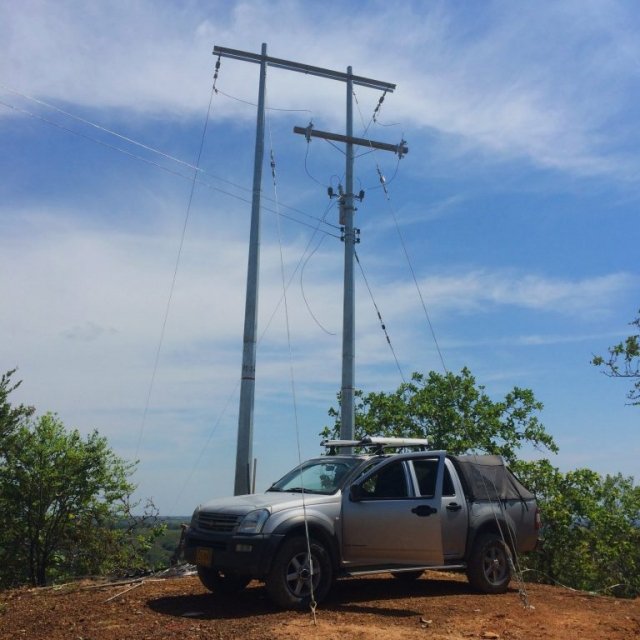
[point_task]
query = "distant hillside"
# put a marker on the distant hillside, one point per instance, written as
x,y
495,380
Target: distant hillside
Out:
x,y
163,548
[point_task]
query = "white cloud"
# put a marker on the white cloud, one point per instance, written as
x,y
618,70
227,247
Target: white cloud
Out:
x,y
485,290
104,294
525,81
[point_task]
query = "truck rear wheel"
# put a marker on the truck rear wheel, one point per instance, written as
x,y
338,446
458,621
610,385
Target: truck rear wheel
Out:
x,y
489,568
292,580
222,582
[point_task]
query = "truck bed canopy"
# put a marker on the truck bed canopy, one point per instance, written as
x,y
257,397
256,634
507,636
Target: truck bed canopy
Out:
x,y
487,478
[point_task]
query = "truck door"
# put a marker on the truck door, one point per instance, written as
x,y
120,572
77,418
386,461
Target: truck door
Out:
x,y
384,522
454,513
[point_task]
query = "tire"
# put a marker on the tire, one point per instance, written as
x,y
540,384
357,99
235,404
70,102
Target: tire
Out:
x,y
225,583
407,576
288,582
489,568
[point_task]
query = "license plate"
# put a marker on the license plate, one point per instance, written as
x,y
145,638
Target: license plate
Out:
x,y
204,557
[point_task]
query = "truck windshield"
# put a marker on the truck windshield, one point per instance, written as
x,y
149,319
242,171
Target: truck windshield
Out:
x,y
323,476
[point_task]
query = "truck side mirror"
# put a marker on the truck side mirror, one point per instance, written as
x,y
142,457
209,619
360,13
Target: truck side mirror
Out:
x,y
355,493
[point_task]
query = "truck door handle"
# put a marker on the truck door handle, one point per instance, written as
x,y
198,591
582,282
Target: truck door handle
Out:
x,y
454,506
424,510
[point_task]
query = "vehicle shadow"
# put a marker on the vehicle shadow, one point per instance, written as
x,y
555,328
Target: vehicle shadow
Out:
x,y
355,595
250,602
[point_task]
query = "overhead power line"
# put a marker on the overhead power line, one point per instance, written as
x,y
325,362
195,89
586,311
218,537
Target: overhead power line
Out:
x,y
146,147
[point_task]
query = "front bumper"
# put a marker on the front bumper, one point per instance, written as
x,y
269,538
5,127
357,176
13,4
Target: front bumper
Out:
x,y
245,555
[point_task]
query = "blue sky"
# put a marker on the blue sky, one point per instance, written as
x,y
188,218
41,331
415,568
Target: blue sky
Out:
x,y
517,203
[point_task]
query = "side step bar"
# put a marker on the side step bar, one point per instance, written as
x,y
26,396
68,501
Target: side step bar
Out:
x,y
365,571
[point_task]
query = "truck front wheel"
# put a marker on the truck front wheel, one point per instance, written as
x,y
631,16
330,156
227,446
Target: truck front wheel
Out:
x,y
293,581
489,568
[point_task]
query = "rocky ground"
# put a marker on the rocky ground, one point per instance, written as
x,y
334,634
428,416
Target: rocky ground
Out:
x,y
376,608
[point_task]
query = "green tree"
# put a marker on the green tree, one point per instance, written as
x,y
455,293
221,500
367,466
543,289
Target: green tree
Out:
x,y
591,529
64,505
454,413
10,417
623,361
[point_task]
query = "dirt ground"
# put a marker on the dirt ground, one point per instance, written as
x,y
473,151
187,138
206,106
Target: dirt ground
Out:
x,y
376,608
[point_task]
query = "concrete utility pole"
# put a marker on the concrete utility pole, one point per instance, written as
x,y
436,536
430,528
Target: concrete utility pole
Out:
x,y
244,453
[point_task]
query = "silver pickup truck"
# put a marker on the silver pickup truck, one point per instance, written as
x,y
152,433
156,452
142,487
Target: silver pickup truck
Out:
x,y
351,514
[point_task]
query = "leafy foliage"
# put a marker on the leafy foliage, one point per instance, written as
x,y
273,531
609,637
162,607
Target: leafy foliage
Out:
x,y
64,503
454,413
623,361
10,417
591,529
163,551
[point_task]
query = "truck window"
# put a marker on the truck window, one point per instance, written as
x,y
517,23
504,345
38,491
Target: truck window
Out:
x,y
389,482
426,472
447,487
324,475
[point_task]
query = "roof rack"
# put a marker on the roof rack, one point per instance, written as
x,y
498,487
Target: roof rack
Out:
x,y
379,443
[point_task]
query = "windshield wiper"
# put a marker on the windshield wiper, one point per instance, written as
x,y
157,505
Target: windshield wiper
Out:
x,y
301,490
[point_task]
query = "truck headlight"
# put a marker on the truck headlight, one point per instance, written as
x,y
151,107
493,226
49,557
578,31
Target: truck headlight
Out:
x,y
253,521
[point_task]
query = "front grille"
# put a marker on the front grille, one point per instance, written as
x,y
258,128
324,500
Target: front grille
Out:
x,y
218,522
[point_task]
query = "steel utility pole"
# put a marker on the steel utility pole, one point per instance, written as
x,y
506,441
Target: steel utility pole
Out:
x,y
244,453
350,238
244,449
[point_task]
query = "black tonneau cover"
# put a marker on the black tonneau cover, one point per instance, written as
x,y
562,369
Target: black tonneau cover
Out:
x,y
487,478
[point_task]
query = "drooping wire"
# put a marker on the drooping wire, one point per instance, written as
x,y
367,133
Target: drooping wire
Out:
x,y
411,269
304,297
383,326
306,168
387,124
177,265
313,603
253,104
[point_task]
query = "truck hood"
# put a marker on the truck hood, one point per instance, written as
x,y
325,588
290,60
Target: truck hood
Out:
x,y
274,501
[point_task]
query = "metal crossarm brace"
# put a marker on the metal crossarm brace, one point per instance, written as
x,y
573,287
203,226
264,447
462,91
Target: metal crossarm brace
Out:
x,y
401,149
303,68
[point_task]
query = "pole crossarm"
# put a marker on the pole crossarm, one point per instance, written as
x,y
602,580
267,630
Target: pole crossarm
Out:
x,y
401,149
303,68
